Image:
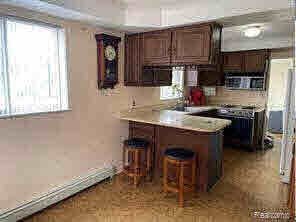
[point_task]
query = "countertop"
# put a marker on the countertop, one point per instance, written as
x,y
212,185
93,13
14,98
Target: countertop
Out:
x,y
176,119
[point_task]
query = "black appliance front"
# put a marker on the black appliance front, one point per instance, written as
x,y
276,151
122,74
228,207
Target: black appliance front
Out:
x,y
239,132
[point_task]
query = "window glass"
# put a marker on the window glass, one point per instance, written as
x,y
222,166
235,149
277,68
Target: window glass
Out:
x,y
174,91
36,68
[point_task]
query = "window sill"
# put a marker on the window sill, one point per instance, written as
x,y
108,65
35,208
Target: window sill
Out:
x,y
163,99
17,116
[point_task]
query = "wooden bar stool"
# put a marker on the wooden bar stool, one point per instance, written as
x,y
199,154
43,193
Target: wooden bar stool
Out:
x,y
179,158
138,163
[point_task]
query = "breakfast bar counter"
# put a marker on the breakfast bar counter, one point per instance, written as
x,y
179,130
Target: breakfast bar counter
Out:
x,y
166,129
176,119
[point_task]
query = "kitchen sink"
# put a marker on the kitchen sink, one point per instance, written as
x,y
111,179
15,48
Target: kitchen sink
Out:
x,y
191,109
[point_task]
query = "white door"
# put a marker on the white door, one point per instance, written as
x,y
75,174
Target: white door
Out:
x,y
289,122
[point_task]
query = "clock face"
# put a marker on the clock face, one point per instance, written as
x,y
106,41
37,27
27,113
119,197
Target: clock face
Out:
x,y
110,53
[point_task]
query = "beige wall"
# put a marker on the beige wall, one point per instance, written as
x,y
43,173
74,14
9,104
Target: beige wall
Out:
x,y
39,153
238,97
282,53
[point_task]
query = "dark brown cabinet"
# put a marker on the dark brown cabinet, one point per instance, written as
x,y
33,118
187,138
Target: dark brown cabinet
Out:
x,y
135,73
255,60
233,62
147,77
245,61
133,60
190,45
157,76
207,146
157,48
163,77
199,44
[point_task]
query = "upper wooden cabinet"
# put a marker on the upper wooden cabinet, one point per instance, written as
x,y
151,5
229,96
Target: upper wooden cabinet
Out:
x,y
233,62
212,77
135,75
199,44
133,60
255,60
190,45
245,61
157,48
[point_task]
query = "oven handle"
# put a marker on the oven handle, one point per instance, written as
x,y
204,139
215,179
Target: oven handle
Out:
x,y
239,117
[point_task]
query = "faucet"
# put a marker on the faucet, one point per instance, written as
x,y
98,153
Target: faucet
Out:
x,y
181,100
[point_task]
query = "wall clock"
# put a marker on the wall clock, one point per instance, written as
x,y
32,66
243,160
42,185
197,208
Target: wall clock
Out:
x,y
107,47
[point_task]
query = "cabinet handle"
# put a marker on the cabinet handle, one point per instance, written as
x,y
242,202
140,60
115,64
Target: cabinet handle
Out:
x,y
174,50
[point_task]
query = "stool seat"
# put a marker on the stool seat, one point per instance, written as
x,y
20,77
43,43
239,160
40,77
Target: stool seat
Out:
x,y
137,143
179,153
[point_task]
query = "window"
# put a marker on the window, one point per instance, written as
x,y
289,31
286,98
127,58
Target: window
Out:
x,y
174,91
33,75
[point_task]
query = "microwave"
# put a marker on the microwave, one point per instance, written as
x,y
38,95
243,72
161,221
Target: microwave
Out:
x,y
245,82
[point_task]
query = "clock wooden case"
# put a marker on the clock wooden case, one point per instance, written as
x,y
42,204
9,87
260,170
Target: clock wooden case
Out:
x,y
107,47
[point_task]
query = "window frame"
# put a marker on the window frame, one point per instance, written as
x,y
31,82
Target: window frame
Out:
x,y
3,20
177,69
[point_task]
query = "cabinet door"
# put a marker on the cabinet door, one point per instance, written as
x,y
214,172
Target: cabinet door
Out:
x,y
133,66
255,61
157,48
191,45
147,77
212,77
233,62
163,77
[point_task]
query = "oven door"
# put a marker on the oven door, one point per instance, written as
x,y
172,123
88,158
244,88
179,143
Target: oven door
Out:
x,y
239,132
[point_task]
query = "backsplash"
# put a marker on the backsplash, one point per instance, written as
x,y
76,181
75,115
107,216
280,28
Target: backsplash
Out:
x,y
236,97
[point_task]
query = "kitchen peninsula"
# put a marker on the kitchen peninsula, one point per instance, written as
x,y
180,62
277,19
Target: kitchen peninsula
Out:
x,y
169,128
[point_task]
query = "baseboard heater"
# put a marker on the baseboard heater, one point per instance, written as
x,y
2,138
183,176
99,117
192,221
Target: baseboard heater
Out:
x,y
57,195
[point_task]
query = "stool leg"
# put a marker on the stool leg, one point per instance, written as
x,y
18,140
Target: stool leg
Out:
x,y
148,170
177,166
193,176
124,157
181,185
137,168
165,174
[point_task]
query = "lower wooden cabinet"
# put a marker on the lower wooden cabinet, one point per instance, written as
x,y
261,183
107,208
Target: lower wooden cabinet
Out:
x,y
207,146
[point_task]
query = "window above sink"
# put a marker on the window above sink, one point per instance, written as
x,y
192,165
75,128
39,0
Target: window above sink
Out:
x,y
175,91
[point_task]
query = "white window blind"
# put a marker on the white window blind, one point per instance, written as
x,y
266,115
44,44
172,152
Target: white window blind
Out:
x,y
33,68
174,91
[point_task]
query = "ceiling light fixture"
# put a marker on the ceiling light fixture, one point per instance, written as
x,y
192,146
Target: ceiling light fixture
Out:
x,y
252,32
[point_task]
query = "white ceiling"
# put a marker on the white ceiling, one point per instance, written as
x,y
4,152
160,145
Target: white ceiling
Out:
x,y
269,30
143,15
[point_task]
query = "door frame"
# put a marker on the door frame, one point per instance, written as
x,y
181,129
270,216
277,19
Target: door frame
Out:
x,y
287,143
286,151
